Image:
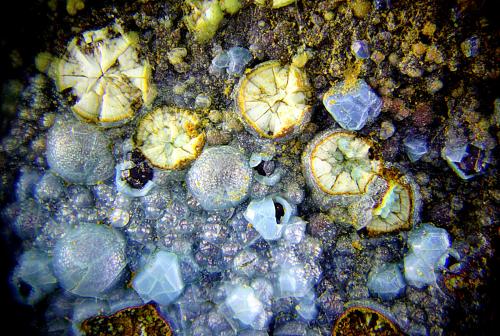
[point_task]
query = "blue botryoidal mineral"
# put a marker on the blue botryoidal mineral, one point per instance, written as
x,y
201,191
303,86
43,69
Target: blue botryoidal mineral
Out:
x,y
79,153
89,260
220,178
352,107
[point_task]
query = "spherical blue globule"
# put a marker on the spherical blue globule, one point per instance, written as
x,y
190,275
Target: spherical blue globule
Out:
x,y
89,260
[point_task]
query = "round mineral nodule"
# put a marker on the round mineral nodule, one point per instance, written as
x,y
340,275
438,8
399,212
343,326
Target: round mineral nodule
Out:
x,y
399,206
340,163
170,138
89,260
220,178
272,100
103,70
79,153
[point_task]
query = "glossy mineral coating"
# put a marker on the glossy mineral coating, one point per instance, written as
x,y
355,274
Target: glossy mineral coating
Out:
x,y
220,178
272,100
170,138
103,70
79,153
89,260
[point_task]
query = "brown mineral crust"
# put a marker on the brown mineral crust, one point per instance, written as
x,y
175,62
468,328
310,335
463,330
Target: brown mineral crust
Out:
x,y
364,321
136,321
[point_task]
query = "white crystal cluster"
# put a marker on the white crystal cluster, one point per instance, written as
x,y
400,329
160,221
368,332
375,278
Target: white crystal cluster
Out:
x,y
102,68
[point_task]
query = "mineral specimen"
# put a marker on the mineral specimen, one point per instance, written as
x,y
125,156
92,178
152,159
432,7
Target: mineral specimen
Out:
x,y
103,70
79,153
170,138
429,249
89,260
269,216
204,18
272,100
234,60
352,105
399,206
466,160
143,320
220,178
339,162
364,320
245,305
386,281
134,176
160,280
360,49
33,277
416,147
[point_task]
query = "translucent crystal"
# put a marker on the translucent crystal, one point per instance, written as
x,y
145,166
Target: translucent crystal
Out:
x,y
352,107
238,59
33,277
386,281
307,307
415,147
417,272
263,215
360,49
244,304
160,280
292,281
89,260
221,61
431,244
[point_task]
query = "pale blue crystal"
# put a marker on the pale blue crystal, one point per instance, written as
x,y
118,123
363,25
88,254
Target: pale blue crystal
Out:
x,y
417,272
34,270
221,61
160,280
292,281
431,244
262,215
238,59
244,305
307,306
386,281
415,147
360,49
352,108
